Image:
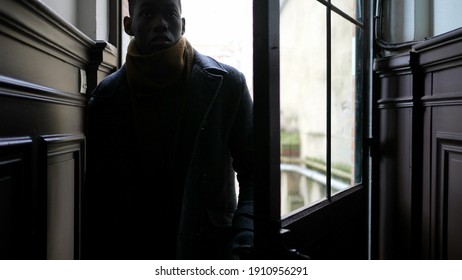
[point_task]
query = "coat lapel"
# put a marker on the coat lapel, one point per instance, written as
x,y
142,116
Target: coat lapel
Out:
x,y
206,79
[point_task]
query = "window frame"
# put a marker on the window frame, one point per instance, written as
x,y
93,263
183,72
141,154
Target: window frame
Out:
x,y
269,232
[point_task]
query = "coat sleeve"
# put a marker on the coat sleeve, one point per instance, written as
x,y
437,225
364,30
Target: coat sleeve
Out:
x,y
242,151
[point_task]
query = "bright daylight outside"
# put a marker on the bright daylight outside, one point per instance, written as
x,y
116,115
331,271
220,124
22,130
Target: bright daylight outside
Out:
x,y
303,102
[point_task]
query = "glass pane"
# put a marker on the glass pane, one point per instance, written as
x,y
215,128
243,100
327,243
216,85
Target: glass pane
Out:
x,y
346,121
349,7
303,103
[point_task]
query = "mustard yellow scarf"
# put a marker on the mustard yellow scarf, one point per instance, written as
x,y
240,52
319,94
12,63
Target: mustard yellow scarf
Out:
x,y
158,71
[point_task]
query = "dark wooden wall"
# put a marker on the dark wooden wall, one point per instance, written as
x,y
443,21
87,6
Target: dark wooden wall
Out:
x,y
43,61
418,198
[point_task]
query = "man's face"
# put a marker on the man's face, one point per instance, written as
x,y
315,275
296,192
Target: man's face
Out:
x,y
156,24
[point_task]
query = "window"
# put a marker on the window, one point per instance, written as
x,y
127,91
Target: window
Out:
x,y
330,47
321,99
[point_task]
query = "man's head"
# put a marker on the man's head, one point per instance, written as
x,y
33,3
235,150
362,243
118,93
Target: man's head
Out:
x,y
156,24
131,6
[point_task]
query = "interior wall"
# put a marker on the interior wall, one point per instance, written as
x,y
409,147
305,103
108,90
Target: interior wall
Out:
x,y
416,196
66,9
415,20
447,15
43,92
89,16
399,14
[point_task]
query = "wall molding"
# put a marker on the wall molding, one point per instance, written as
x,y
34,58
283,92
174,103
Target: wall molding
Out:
x,y
447,144
37,26
13,141
393,65
451,99
10,87
63,143
440,49
393,103
57,151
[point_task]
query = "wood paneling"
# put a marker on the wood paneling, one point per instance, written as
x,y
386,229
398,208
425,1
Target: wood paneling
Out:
x,y
440,62
39,47
396,106
42,107
420,152
447,193
64,178
18,230
454,207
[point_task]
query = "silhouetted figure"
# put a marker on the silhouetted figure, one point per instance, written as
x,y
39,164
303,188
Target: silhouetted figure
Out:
x,y
165,134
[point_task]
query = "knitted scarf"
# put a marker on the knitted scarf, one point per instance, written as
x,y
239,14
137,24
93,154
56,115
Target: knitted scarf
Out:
x,y
159,71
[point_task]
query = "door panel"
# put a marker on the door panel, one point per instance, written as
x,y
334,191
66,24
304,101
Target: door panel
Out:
x,y
16,198
335,227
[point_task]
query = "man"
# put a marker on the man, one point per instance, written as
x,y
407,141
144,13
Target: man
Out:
x,y
164,134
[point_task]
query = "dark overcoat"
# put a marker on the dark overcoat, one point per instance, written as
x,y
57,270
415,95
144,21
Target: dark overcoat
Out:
x,y
220,113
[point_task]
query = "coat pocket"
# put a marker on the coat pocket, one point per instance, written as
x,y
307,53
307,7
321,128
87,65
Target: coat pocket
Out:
x,y
220,219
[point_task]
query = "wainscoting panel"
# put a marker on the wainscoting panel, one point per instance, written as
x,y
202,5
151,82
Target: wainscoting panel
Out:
x,y
48,68
64,154
396,109
18,229
454,207
446,190
420,209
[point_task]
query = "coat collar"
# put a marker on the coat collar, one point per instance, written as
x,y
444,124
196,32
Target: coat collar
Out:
x,y
208,65
206,80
